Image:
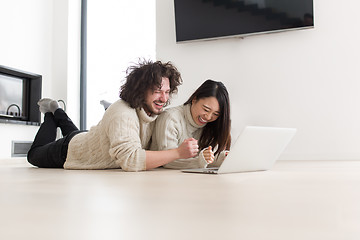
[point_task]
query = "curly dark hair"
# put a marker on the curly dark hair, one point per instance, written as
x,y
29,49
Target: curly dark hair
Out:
x,y
145,76
216,132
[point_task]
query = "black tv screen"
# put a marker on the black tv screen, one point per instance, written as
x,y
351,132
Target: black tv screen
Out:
x,y
19,93
212,19
12,96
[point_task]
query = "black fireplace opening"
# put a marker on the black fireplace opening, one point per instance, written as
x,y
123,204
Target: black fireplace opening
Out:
x,y
19,93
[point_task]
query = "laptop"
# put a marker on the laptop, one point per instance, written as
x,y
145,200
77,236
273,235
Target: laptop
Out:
x,y
256,149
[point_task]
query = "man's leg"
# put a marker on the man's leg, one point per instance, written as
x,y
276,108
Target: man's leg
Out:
x,y
47,131
64,122
45,152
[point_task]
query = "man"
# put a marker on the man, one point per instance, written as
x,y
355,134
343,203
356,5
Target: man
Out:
x,y
122,137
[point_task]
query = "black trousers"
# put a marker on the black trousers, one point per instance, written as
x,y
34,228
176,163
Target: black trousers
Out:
x,y
45,152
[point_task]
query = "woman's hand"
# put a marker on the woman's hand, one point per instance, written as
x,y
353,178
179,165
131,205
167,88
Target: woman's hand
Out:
x,y
188,149
209,155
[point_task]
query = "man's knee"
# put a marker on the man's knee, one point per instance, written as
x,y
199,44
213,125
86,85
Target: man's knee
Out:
x,y
31,158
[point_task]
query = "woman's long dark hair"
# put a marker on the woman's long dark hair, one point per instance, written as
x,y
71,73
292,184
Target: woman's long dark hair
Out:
x,y
216,132
145,76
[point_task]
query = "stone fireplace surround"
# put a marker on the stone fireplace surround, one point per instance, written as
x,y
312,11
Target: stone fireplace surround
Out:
x,y
31,95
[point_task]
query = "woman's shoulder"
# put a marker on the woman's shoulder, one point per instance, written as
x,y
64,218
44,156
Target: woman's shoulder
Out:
x,y
175,111
173,114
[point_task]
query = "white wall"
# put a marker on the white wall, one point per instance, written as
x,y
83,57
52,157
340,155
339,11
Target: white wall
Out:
x,y
34,38
307,79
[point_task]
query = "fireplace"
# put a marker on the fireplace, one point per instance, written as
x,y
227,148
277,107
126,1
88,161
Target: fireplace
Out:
x,y
19,93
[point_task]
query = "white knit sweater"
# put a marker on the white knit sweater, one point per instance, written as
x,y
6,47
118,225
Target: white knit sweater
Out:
x,y
119,140
172,127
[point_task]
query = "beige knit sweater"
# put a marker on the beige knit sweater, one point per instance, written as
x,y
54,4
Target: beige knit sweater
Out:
x,y
172,127
119,140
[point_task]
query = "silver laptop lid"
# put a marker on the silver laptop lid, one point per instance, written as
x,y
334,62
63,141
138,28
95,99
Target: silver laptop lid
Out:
x,y
257,149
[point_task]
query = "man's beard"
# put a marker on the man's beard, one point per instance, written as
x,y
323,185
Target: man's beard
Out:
x,y
149,110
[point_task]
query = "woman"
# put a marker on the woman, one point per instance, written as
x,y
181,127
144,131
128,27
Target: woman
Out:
x,y
205,116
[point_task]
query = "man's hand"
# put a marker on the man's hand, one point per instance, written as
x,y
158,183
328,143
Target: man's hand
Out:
x,y
188,149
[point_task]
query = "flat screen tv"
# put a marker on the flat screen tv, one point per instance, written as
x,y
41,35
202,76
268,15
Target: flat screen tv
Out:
x,y
12,96
19,93
213,19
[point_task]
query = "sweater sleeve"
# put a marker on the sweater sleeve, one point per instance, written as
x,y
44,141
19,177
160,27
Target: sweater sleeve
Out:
x,y
196,162
125,143
167,135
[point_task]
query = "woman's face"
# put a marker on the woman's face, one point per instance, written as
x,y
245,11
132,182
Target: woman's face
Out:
x,y
205,110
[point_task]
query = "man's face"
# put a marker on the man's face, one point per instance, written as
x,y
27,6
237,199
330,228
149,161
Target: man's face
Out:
x,y
155,100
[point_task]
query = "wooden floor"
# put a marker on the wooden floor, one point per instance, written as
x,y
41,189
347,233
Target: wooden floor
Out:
x,y
295,200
